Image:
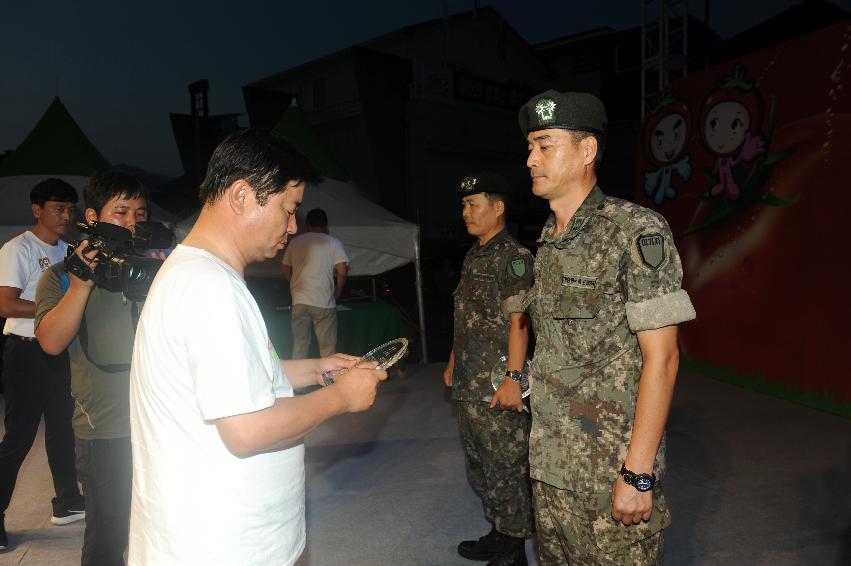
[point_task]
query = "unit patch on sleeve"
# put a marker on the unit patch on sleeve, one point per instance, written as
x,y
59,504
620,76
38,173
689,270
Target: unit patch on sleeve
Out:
x,y
652,249
519,266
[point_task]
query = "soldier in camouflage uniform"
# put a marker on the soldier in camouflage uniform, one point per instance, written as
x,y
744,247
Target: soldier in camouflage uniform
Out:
x,y
605,307
494,426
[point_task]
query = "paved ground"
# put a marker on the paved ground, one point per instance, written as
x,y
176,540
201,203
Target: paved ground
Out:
x,y
752,480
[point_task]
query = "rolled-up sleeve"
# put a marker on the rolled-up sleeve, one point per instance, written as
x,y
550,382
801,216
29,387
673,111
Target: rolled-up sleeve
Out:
x,y
517,303
653,282
659,312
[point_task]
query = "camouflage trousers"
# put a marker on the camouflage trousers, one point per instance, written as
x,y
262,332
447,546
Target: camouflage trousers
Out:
x,y
577,528
496,450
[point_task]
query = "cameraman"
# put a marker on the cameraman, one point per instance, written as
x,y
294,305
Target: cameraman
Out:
x,y
97,324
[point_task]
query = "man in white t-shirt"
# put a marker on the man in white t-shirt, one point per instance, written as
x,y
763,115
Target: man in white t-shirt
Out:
x,y
218,459
316,264
36,384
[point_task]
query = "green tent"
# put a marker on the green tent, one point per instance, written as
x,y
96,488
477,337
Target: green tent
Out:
x,y
55,146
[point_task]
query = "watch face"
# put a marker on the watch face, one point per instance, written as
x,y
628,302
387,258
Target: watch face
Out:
x,y
643,483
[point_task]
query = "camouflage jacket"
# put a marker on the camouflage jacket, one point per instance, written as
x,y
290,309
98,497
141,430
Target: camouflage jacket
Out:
x,y
613,271
491,273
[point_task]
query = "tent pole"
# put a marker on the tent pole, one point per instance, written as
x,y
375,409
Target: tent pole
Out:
x,y
420,309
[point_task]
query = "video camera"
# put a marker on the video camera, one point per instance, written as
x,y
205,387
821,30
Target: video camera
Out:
x,y
122,265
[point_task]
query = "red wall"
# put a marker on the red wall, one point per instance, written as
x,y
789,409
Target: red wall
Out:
x,y
767,268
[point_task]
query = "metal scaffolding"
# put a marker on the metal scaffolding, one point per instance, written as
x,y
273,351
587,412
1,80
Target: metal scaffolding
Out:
x,y
664,46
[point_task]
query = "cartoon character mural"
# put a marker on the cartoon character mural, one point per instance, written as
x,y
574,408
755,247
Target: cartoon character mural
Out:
x,y
731,129
730,120
665,140
760,227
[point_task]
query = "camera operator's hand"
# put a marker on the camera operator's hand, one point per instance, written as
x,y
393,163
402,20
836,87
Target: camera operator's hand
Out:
x,y
86,259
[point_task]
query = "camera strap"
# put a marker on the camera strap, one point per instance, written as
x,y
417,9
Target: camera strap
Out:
x,y
83,334
84,344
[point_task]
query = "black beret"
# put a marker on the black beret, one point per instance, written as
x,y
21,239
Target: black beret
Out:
x,y
484,182
578,111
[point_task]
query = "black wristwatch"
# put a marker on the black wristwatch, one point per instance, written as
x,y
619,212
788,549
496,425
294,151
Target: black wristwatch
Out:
x,y
641,482
519,377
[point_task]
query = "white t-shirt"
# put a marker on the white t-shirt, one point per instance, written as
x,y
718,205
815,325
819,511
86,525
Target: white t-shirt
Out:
x,y
202,352
22,260
313,256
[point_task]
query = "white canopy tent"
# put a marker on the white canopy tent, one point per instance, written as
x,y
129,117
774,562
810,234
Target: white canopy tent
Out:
x,y
376,240
56,147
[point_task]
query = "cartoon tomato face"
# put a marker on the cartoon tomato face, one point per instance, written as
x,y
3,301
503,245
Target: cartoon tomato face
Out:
x,y
730,111
725,127
666,133
669,138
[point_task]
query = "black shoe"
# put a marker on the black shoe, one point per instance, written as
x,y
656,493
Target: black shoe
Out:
x,y
4,540
511,551
65,514
482,549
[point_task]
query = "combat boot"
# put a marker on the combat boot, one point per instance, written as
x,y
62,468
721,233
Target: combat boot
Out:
x,y
482,549
510,551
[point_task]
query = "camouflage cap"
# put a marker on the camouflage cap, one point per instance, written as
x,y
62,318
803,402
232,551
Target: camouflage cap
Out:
x,y
484,182
578,111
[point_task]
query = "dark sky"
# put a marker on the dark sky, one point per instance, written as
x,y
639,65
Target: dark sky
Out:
x,y
120,67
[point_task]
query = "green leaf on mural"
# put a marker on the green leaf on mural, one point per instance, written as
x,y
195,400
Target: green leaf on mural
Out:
x,y
769,131
778,157
752,185
773,200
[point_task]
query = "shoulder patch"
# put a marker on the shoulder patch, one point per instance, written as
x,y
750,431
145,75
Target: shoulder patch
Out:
x,y
651,247
518,266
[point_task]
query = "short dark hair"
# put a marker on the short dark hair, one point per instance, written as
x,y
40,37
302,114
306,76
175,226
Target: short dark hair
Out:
x,y
317,218
261,158
579,135
53,189
108,184
499,197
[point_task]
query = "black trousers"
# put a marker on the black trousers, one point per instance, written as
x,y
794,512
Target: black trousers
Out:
x,y
36,384
105,469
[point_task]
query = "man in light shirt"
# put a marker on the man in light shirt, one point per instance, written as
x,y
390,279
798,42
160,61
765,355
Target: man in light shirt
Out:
x,y
35,383
218,458
315,263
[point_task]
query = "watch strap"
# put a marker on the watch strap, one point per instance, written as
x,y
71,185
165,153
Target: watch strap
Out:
x,y
519,377
641,482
